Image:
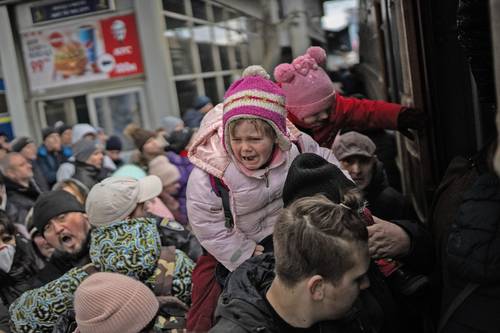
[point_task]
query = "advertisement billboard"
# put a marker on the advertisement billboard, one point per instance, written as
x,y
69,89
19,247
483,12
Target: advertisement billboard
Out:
x,y
92,50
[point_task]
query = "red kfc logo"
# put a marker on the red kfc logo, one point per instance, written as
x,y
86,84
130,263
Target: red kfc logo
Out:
x,y
56,39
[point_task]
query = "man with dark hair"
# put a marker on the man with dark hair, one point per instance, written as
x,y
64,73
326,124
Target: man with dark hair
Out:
x,y
321,260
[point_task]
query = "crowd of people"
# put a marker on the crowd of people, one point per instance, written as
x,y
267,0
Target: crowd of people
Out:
x,y
268,212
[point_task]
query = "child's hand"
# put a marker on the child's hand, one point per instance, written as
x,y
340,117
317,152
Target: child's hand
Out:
x,y
259,249
387,240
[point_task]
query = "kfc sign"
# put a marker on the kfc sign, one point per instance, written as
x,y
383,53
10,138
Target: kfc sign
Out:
x,y
88,51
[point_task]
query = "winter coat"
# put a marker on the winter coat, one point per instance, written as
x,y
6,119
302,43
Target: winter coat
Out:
x,y
4,319
243,307
255,199
20,199
67,169
113,248
388,204
173,233
24,268
350,112
185,167
89,175
49,162
39,177
192,118
59,264
473,256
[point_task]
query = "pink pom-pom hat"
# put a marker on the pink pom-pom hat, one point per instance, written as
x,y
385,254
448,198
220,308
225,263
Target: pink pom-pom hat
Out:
x,y
307,87
256,96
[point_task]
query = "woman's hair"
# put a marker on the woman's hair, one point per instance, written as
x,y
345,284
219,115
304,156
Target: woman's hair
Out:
x,y
315,236
76,188
260,125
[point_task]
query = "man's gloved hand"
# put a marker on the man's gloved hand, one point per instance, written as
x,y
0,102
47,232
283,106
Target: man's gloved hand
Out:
x,y
410,118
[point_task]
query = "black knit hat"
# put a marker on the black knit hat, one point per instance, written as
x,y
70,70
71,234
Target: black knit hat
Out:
x,y
114,143
19,143
311,174
51,204
48,131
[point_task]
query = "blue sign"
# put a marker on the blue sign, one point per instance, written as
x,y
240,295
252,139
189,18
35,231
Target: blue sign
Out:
x,y
64,9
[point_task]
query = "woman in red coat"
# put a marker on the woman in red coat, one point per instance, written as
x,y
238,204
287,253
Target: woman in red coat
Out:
x,y
313,104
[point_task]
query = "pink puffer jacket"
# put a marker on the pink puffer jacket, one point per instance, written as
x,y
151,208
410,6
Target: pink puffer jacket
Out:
x,y
255,199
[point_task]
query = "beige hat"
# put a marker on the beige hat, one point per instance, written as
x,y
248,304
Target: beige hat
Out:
x,y
351,144
115,198
113,303
160,166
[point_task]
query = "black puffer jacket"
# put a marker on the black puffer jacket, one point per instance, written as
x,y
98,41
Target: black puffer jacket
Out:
x,y
89,175
24,268
473,255
242,306
388,204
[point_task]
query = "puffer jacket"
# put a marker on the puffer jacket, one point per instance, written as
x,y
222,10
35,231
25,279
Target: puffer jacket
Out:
x,y
24,268
131,247
473,256
243,307
359,114
255,199
89,175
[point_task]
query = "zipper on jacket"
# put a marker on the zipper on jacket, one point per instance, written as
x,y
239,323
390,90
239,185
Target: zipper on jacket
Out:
x,y
266,176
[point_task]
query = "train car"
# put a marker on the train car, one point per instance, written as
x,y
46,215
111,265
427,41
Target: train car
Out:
x,y
435,56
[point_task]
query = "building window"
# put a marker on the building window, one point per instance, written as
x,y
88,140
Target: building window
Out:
x,y
208,46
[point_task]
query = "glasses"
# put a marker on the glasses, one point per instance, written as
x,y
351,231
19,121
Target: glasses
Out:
x,y
49,228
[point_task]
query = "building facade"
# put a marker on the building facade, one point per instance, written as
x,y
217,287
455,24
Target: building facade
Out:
x,y
113,62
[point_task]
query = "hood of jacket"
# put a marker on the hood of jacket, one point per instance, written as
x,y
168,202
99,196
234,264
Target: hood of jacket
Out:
x,y
207,150
80,130
243,300
131,247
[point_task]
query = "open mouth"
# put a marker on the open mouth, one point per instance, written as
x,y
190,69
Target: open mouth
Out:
x,y
248,158
66,239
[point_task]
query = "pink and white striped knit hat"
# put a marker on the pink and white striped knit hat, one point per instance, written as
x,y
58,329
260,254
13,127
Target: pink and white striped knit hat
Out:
x,y
256,96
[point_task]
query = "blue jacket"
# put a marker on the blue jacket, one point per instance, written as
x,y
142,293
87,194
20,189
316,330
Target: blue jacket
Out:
x,y
49,163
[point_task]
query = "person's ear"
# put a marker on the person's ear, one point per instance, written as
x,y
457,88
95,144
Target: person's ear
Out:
x,y
316,287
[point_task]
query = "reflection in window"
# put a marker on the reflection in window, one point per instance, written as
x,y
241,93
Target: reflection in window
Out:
x,y
186,94
202,33
228,79
224,57
114,113
199,9
179,44
211,89
206,57
221,36
176,6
